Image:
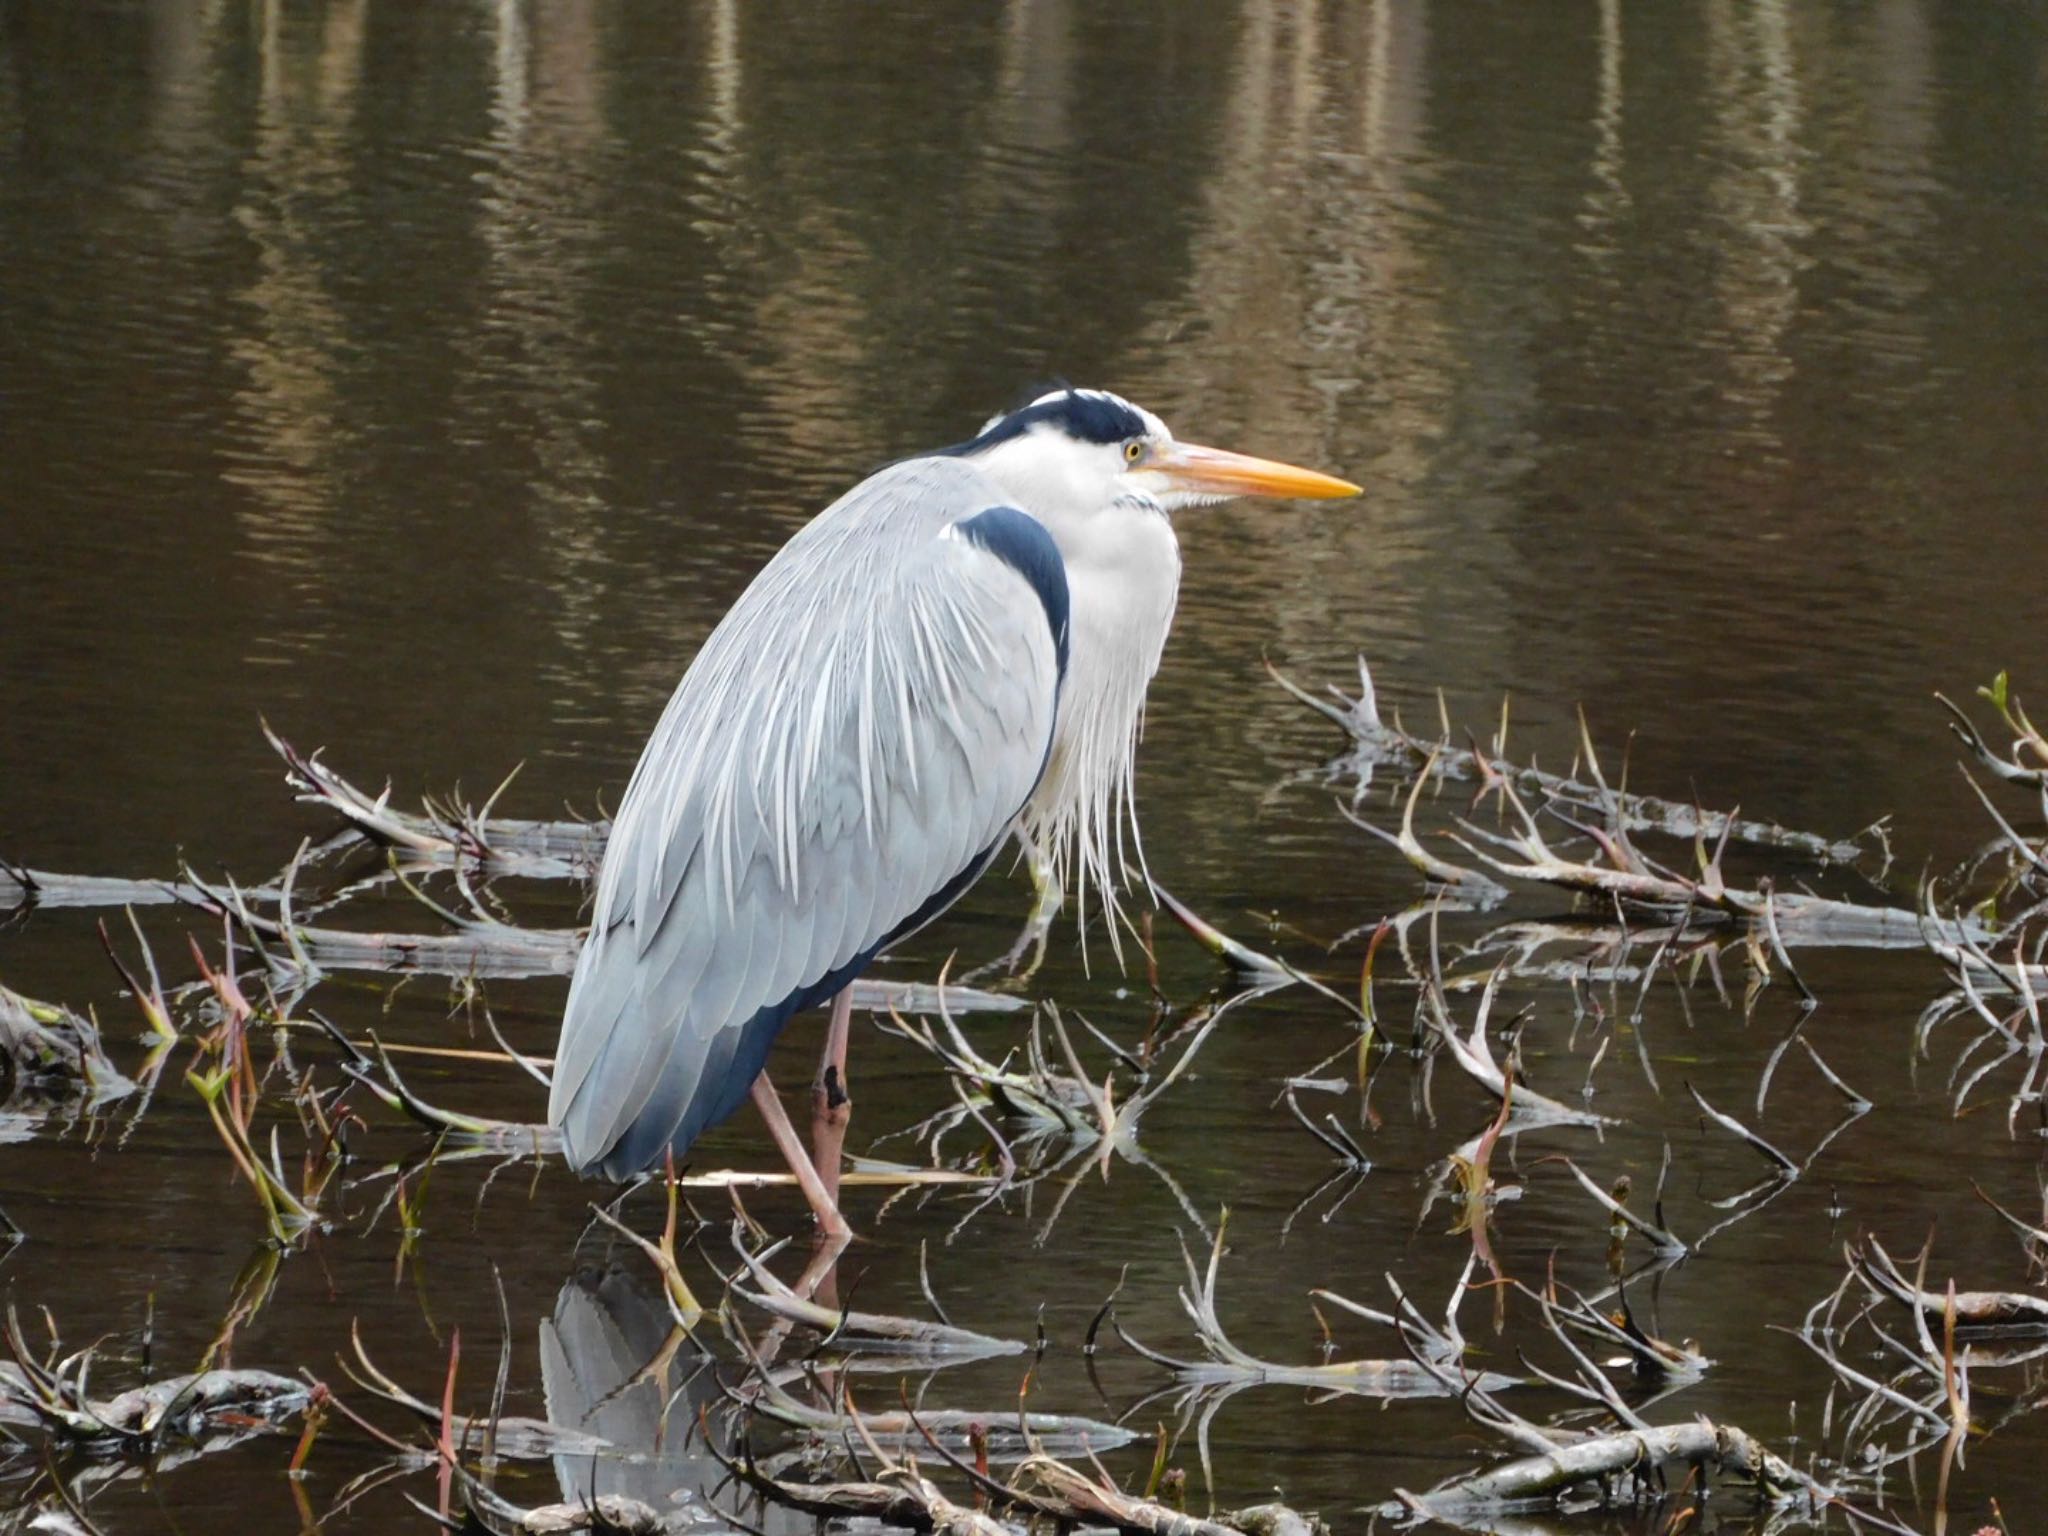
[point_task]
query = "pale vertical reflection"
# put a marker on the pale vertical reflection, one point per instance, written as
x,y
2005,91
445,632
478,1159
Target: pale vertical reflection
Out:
x,y
12,118
1236,247
713,196
816,348
1884,184
1900,91
1607,200
1305,71
1754,193
722,70
291,434
508,71
539,356
1307,277
1379,69
180,38
1407,332
1034,76
805,355
1015,190
181,133
795,340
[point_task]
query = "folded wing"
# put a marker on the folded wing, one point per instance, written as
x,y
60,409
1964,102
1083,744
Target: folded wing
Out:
x,y
843,758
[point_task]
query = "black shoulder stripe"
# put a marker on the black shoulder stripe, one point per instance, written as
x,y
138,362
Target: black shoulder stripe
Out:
x,y
1021,542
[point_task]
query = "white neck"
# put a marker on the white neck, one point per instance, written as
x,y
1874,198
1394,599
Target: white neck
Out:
x,y
1123,577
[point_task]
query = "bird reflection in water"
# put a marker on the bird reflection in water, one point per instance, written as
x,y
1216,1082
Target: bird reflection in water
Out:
x,y
613,1364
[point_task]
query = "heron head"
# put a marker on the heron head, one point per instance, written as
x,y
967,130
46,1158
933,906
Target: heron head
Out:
x,y
1076,452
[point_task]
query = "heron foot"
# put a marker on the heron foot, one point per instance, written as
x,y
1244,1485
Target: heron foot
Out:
x,y
1020,962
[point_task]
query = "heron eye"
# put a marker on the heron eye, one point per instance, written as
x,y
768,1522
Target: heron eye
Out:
x,y
1134,450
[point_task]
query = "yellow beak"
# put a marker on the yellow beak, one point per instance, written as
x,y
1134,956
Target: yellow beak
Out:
x,y
1213,472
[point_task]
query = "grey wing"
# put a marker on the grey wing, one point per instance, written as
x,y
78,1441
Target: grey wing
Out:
x,y
843,758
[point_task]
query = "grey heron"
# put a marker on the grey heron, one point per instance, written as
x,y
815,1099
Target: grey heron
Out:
x,y
954,651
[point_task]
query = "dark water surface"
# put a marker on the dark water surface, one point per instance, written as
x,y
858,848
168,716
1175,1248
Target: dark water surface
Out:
x,y
428,379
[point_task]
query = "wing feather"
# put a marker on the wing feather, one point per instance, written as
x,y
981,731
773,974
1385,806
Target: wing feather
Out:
x,y
859,733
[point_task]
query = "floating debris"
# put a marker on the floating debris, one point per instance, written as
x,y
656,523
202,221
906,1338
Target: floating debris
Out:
x,y
207,1410
451,832
46,1047
2005,1310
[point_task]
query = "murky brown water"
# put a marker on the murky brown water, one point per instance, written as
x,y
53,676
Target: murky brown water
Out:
x,y
427,379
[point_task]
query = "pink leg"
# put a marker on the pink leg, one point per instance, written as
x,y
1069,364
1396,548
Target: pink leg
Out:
x,y
831,1108
823,1202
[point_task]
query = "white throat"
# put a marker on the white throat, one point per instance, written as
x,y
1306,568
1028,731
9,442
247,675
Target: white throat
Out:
x,y
1123,578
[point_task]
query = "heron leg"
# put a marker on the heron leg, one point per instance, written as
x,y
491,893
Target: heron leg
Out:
x,y
824,1203
831,1104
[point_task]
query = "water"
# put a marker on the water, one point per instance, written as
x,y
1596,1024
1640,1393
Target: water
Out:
x,y
427,380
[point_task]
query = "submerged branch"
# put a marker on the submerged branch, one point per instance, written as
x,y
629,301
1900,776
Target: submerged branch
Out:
x,y
51,1396
537,849
1379,743
46,1045
481,949
1634,1455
